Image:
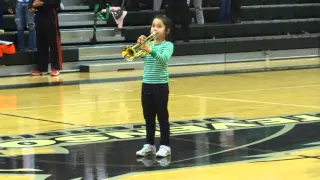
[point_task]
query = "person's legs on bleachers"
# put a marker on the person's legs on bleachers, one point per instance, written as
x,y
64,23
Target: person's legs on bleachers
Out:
x,y
132,5
185,21
235,10
20,22
224,10
118,15
169,11
1,16
199,12
31,27
228,10
157,5
183,17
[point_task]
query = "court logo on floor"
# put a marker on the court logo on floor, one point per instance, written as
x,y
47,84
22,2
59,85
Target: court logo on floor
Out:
x,y
55,142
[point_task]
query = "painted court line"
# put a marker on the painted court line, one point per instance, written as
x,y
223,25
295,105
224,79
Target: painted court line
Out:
x,y
73,104
172,96
125,90
284,130
257,90
257,102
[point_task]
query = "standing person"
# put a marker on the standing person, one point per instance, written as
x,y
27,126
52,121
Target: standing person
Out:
x,y
224,10
1,16
48,36
235,11
157,5
155,88
24,16
178,11
199,12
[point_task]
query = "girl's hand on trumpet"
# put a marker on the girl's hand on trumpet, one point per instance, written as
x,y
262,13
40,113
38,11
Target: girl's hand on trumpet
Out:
x,y
141,39
146,47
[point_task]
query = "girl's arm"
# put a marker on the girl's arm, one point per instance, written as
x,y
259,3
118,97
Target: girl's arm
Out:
x,y
164,56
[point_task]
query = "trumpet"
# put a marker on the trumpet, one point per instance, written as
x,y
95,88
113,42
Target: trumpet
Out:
x,y
132,52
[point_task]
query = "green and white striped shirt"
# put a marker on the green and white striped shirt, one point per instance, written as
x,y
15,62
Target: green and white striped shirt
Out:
x,y
156,63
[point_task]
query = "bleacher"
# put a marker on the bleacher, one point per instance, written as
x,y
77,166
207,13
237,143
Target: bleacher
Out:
x,y
289,27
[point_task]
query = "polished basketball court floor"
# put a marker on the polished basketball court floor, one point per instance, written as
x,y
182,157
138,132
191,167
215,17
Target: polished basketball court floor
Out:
x,y
80,126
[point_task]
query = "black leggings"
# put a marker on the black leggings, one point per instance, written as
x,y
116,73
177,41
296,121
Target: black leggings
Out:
x,y
154,103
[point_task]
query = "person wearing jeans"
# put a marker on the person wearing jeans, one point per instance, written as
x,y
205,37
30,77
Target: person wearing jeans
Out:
x,y
24,15
225,10
199,12
230,10
157,5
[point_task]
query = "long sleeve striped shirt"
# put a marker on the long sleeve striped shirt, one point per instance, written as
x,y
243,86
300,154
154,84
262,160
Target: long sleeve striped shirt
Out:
x,y
156,63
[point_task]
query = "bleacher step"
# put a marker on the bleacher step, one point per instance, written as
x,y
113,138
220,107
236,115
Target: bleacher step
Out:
x,y
84,35
76,8
100,52
121,64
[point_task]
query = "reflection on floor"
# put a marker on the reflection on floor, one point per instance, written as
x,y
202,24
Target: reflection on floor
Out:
x,y
243,126
214,147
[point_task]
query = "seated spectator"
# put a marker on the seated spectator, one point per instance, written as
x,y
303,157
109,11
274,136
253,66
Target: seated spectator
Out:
x,y
118,15
24,16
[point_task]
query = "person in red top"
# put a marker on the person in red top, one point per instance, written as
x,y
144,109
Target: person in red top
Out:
x,y
48,36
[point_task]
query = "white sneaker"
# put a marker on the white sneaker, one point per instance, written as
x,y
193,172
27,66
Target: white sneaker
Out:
x,y
147,150
164,151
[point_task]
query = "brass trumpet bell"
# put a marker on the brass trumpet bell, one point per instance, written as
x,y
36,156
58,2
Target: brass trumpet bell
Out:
x,y
132,52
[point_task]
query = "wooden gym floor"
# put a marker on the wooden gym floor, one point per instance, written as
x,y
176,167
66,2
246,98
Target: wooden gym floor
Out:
x,y
77,126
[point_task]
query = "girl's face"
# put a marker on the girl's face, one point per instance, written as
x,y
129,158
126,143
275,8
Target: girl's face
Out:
x,y
160,29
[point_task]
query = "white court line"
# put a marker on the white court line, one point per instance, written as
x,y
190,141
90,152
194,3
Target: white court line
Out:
x,y
123,90
73,104
172,96
250,101
284,130
257,90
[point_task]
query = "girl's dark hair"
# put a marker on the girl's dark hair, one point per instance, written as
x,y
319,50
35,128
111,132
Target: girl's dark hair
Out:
x,y
166,21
